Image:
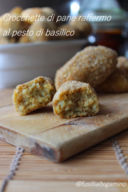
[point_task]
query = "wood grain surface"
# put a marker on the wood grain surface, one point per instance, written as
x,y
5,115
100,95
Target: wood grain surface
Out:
x,y
23,186
98,164
45,134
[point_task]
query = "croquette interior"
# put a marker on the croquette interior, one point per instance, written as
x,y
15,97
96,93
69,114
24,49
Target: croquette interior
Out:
x,y
77,104
28,98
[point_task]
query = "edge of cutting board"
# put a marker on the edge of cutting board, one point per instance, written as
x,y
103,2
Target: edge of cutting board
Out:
x,y
30,144
63,152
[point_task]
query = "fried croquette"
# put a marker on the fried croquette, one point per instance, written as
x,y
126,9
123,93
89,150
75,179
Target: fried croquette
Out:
x,y
33,95
31,15
91,65
9,24
24,39
75,99
83,26
117,82
4,40
48,11
39,30
122,63
68,32
16,10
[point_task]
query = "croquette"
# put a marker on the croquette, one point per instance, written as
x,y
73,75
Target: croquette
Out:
x,y
39,30
122,63
91,65
82,25
48,11
16,10
31,15
24,39
33,95
117,82
9,24
75,99
68,32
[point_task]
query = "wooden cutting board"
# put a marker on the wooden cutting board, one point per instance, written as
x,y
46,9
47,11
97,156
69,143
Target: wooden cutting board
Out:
x,y
45,134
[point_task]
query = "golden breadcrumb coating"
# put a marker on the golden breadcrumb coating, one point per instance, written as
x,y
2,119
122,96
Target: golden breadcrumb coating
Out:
x,y
24,39
41,26
7,40
122,63
4,40
8,24
48,11
68,32
82,25
33,95
16,10
91,65
117,82
31,15
75,99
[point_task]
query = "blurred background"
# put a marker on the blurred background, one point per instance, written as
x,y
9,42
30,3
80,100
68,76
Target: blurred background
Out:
x,y
113,34
60,6
19,63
